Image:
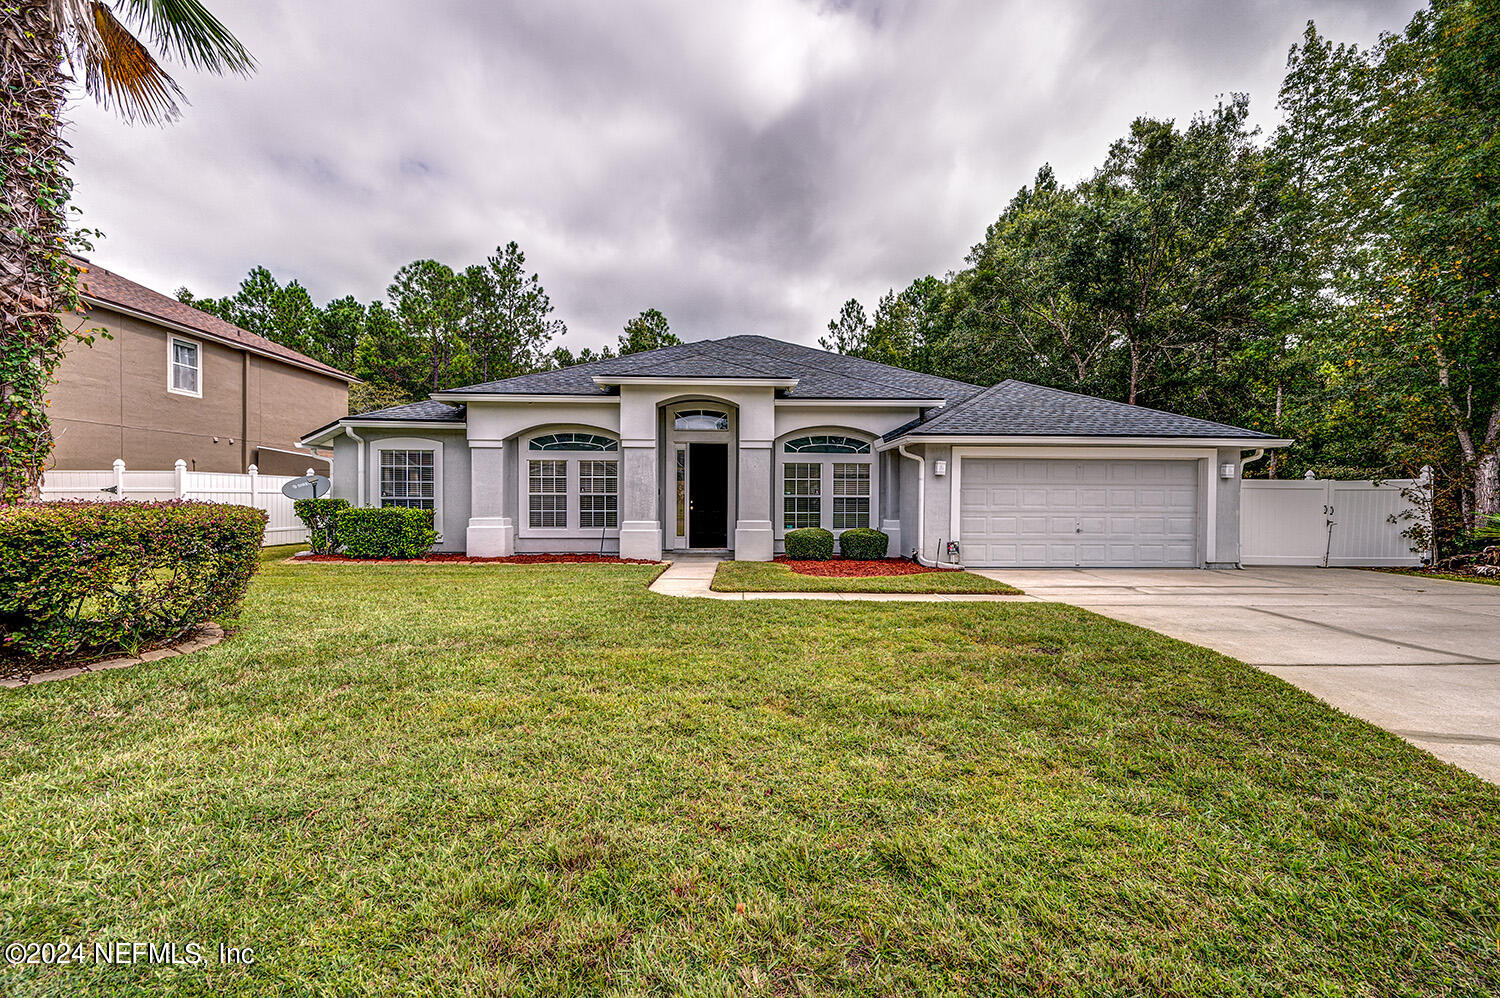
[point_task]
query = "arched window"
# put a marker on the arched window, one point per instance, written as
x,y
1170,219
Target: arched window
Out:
x,y
573,441
701,419
826,444
826,481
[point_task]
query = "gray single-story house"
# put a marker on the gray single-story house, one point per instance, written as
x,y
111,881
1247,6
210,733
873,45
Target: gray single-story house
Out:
x,y
724,445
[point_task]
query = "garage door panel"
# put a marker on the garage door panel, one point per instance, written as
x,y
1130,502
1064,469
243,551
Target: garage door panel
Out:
x,y
1023,513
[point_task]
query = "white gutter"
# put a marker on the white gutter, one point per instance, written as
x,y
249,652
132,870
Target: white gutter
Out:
x,y
359,445
1255,455
921,502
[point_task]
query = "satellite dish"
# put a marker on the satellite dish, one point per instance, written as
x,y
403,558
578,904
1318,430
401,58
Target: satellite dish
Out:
x,y
309,486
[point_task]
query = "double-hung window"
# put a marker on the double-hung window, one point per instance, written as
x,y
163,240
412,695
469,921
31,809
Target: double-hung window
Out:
x,y
548,493
598,494
407,478
184,367
851,496
802,495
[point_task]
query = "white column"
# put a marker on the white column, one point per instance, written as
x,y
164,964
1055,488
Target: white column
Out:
x,y
491,533
640,525
754,537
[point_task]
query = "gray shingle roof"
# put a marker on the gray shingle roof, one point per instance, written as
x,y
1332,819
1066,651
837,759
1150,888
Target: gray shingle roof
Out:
x,y
820,374
426,411
1018,409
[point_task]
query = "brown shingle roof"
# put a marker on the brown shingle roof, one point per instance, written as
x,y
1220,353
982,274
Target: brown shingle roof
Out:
x,y
109,288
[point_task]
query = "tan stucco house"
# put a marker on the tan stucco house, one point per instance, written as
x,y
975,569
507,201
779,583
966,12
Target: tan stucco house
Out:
x,y
170,382
723,445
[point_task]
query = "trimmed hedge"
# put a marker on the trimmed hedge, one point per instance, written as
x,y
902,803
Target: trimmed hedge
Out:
x,y
318,516
863,544
809,544
384,531
85,578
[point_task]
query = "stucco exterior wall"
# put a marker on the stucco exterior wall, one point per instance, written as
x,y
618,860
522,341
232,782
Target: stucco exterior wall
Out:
x,y
453,487
111,401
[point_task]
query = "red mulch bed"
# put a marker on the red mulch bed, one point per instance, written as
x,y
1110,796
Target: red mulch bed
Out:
x,y
842,569
462,559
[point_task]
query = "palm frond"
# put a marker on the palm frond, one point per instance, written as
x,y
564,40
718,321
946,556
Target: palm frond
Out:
x,y
120,70
186,30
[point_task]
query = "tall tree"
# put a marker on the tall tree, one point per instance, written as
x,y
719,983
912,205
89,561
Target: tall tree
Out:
x,y
428,299
850,331
507,322
647,331
97,41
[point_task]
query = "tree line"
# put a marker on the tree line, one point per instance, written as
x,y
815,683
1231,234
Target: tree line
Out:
x,y
437,327
1334,281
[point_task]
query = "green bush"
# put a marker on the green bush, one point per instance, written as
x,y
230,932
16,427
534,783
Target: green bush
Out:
x,y
384,531
318,515
863,544
86,578
809,544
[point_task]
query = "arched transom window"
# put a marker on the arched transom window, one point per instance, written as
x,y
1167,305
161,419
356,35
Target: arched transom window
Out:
x,y
826,481
701,419
827,444
573,441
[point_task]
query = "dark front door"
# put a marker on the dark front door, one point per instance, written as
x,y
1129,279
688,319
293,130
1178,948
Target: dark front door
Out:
x,y
708,495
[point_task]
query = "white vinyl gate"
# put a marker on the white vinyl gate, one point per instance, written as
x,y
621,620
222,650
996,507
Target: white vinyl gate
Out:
x,y
250,489
1328,523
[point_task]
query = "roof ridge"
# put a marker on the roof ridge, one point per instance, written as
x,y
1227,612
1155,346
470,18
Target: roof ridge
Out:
x,y
830,353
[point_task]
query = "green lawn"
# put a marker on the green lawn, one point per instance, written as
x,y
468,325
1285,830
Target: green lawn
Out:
x,y
769,577
1450,576
545,780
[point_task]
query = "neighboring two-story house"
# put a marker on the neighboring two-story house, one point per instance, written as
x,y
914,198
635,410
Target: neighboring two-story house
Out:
x,y
170,382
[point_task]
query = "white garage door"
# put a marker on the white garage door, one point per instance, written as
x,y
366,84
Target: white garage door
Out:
x,y
1058,513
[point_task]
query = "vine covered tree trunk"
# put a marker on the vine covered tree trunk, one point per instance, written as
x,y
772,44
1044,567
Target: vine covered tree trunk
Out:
x,y
36,278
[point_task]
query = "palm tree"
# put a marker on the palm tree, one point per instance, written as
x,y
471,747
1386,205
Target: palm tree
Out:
x,y
44,46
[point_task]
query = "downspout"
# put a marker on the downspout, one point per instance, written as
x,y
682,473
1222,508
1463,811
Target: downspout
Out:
x,y
1255,455
359,450
921,501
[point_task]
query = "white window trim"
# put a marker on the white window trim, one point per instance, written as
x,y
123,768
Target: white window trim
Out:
x,y
410,443
172,340
826,462
571,458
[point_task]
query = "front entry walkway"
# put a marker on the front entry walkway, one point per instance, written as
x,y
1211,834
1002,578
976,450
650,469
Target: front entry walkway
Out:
x,y
693,576
1419,657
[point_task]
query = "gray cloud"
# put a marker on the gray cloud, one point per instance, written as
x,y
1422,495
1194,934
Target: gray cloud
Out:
x,y
743,167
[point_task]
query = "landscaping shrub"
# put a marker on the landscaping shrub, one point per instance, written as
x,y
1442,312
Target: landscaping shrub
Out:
x,y
85,578
863,544
809,544
384,531
318,515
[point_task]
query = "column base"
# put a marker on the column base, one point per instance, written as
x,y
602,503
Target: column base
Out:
x,y
490,537
754,540
892,529
640,539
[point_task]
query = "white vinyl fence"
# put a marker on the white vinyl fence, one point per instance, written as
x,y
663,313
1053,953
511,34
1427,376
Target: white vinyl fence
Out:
x,y
251,489
1329,523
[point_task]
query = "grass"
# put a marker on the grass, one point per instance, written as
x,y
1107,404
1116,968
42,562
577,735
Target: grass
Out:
x,y
538,780
770,577
1449,576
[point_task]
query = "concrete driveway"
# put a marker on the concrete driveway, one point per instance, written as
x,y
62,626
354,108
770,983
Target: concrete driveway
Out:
x,y
1419,657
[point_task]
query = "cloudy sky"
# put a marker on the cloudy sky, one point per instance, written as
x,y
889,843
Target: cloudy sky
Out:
x,y
744,167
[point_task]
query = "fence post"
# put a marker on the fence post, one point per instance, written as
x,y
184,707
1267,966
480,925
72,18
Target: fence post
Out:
x,y
119,467
253,471
179,478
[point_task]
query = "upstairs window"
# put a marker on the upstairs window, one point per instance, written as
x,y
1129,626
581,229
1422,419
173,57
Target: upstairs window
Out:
x,y
826,444
184,367
701,419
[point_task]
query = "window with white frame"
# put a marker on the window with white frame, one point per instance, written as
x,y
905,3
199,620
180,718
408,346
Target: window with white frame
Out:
x,y
701,419
184,367
851,496
827,480
548,494
598,494
802,495
408,478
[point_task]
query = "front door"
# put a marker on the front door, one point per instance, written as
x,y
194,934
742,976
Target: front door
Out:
x,y
708,495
